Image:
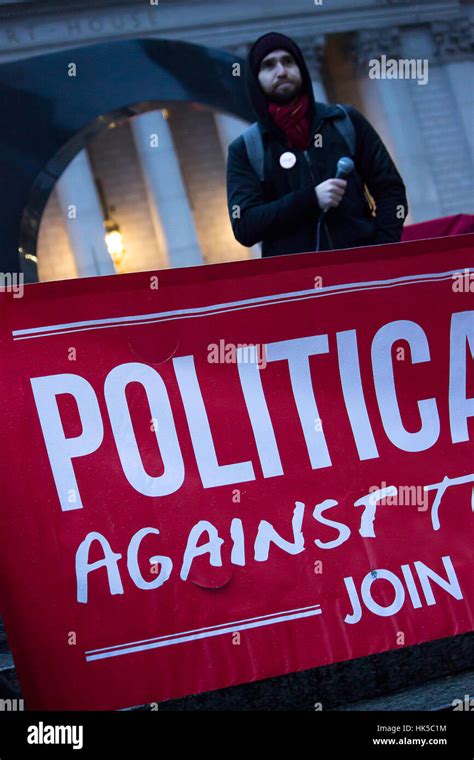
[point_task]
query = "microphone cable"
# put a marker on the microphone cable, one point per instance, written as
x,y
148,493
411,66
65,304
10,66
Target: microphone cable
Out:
x,y
318,232
345,166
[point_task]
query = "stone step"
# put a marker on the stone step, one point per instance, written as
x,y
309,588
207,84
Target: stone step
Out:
x,y
436,695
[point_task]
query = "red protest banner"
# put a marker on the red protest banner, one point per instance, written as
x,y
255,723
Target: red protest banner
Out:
x,y
218,474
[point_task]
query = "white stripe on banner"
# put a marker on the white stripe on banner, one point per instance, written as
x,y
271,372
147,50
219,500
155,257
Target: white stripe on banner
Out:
x,y
248,303
203,633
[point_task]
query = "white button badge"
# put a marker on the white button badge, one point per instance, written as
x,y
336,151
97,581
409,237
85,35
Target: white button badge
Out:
x,y
287,160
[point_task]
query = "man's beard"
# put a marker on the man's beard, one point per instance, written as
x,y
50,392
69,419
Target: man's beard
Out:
x,y
287,96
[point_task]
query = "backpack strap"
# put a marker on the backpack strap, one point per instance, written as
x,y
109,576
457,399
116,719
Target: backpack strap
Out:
x,y
346,128
254,146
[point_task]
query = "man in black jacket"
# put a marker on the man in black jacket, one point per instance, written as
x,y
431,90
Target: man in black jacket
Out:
x,y
301,147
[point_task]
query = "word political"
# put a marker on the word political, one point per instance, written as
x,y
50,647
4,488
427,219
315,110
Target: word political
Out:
x,y
62,451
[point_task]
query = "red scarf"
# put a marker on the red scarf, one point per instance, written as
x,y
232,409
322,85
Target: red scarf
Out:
x,y
292,119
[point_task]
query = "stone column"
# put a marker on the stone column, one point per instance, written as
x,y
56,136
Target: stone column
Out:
x,y
388,105
454,41
228,129
80,204
426,121
441,124
313,51
364,47
167,197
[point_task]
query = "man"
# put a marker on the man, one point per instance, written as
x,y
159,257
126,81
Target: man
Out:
x,y
300,147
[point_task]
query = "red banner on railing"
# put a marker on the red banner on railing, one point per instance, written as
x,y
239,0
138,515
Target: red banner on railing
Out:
x,y
217,474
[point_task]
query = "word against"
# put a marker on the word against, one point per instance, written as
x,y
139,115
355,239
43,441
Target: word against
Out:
x,y
296,352
266,536
45,734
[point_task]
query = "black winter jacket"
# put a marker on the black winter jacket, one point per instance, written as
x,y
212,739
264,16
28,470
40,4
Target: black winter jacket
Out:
x,y
283,212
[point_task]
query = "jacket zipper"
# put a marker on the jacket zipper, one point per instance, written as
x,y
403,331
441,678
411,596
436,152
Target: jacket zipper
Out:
x,y
306,155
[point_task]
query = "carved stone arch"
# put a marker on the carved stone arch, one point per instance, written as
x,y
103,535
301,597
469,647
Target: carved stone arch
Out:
x,y
47,115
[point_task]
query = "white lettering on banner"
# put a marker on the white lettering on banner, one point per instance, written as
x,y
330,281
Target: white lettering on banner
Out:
x,y
114,391
84,567
166,564
460,407
265,536
252,388
62,450
369,501
212,474
296,352
451,586
440,489
385,386
344,530
351,381
212,547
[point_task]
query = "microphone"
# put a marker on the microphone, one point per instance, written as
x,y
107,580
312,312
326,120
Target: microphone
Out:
x,y
345,166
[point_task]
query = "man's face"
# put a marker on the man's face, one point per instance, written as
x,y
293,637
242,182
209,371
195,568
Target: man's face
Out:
x,y
280,77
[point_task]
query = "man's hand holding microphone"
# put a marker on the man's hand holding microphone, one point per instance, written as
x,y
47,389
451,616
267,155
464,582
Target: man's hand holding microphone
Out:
x,y
330,192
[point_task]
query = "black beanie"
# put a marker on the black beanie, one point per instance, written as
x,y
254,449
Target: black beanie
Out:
x,y
260,48
264,45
